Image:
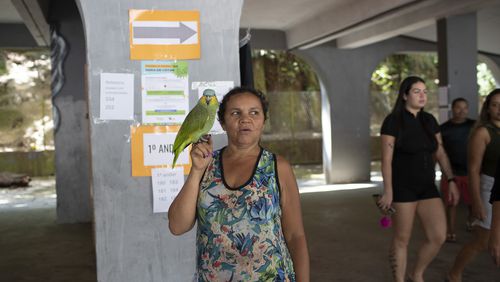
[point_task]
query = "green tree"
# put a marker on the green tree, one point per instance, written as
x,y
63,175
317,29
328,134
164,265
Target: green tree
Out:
x,y
25,104
486,82
386,80
292,89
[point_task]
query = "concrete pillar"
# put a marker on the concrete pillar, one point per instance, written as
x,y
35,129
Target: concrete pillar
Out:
x,y
345,77
457,56
132,243
72,155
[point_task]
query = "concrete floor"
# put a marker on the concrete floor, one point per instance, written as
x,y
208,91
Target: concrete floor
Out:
x,y
33,247
345,240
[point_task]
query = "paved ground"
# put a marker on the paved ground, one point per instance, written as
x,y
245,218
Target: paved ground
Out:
x,y
345,240
33,247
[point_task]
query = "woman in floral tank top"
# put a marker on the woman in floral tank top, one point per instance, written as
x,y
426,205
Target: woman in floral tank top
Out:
x,y
245,200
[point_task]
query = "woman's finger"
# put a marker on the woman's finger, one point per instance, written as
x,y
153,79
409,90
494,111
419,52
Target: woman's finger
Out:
x,y
205,151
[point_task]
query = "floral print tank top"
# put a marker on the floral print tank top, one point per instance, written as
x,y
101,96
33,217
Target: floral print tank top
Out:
x,y
239,236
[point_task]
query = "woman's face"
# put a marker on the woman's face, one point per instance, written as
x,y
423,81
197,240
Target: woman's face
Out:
x,y
244,119
417,96
494,108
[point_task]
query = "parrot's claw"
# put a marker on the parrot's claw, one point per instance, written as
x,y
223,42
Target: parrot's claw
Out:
x,y
204,138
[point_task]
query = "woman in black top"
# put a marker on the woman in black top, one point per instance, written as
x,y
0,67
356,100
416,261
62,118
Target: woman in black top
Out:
x,y
410,143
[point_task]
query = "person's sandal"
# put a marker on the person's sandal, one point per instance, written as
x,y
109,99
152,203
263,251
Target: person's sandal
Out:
x,y
451,238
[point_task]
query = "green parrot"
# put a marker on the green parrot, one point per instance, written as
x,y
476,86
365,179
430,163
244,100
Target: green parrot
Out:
x,y
198,122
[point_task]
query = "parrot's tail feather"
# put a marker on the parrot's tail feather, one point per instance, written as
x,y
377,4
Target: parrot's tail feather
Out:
x,y
175,159
178,151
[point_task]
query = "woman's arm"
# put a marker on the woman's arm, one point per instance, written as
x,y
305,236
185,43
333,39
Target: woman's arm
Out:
x,y
182,212
477,145
444,164
291,220
388,143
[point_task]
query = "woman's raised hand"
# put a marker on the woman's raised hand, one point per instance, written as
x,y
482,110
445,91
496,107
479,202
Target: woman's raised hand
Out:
x,y
201,153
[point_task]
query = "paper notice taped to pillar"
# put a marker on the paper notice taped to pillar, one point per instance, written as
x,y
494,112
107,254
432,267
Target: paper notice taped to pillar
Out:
x,y
165,92
167,183
164,35
152,146
117,96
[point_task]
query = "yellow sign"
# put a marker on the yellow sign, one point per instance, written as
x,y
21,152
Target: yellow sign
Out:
x,y
152,147
164,35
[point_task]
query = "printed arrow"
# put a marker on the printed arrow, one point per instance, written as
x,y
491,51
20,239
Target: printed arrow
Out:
x,y
182,32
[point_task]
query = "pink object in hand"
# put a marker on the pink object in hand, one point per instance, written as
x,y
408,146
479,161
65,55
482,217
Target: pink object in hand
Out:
x,y
386,222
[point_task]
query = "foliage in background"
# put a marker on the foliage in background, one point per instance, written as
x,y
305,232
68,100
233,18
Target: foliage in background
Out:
x,y
486,82
292,89
25,104
387,77
294,98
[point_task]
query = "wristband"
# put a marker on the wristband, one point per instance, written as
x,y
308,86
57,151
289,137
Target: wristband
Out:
x,y
451,179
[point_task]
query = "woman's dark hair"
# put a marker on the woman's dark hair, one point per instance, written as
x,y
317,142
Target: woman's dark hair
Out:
x,y
240,90
400,107
404,90
484,115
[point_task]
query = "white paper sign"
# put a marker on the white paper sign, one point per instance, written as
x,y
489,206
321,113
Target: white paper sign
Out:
x,y
167,183
158,149
117,96
165,92
220,88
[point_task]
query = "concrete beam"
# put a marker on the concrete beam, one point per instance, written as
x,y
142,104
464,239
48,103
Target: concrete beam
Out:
x,y
380,32
33,13
374,22
266,39
407,20
337,20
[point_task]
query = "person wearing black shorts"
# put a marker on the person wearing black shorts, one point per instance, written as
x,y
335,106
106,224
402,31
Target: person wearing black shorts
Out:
x,y
411,142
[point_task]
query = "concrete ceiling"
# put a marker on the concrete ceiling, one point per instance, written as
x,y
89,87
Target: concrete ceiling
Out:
x,y
356,23
31,14
8,13
352,24
488,24
284,15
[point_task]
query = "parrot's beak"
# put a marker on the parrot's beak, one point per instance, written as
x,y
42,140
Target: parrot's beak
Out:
x,y
208,101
